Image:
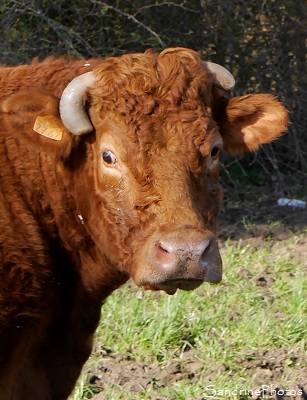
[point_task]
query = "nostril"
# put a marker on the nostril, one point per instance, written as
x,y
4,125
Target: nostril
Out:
x,y
210,256
206,255
210,261
163,247
163,253
168,247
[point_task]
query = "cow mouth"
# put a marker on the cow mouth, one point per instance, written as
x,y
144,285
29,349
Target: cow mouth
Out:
x,y
171,286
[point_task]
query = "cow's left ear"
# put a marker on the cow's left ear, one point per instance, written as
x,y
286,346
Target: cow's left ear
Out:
x,y
246,122
34,114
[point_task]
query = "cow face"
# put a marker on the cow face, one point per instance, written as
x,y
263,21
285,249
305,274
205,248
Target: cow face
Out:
x,y
158,177
156,163
159,127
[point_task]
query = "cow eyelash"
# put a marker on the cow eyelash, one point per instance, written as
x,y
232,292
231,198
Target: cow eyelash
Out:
x,y
109,158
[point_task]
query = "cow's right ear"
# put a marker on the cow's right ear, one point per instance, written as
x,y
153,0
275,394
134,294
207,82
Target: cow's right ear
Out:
x,y
34,113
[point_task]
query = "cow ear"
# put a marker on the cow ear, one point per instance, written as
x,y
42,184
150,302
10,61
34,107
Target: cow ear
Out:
x,y
249,121
34,113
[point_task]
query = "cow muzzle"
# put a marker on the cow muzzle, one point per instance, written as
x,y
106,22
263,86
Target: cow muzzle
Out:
x,y
182,259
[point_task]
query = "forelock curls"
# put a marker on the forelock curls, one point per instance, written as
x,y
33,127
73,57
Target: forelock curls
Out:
x,y
172,75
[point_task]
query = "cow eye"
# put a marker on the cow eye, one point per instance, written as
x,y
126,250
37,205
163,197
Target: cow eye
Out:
x,y
109,158
215,152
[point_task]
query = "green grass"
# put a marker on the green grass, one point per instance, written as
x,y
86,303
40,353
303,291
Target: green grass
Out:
x,y
224,324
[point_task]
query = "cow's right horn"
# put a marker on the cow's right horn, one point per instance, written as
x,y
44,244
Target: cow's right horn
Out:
x,y
72,111
223,77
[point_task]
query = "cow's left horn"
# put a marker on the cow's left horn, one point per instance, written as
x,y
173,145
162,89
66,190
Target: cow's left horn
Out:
x,y
223,77
72,111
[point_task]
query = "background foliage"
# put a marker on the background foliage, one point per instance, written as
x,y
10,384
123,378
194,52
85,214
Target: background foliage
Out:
x,y
262,42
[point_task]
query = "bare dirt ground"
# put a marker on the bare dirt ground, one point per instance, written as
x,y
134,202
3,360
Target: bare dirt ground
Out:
x,y
251,216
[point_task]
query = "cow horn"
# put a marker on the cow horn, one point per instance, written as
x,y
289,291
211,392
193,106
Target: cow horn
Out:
x,y
72,111
223,77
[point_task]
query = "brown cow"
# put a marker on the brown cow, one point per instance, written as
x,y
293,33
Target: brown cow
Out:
x,y
137,195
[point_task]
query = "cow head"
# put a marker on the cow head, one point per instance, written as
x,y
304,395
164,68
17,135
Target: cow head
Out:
x,y
147,186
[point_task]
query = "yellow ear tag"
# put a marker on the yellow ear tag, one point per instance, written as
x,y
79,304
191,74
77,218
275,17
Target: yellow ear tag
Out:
x,y
46,126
